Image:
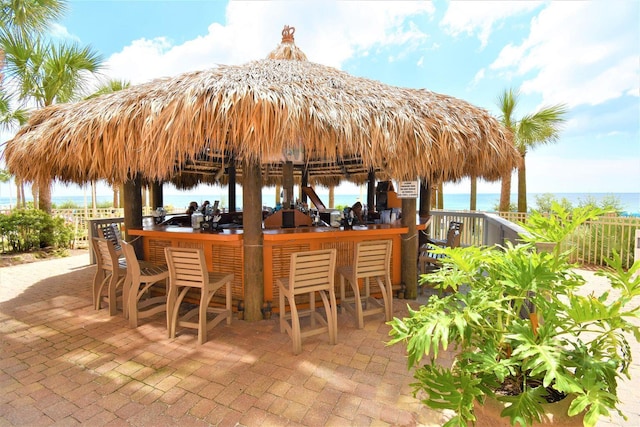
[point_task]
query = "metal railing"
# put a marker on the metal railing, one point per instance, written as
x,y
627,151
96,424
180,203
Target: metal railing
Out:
x,y
592,243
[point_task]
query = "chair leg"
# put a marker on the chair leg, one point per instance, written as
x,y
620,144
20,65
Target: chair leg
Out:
x,y
229,302
312,308
342,295
126,292
358,304
330,310
174,301
295,327
98,284
283,310
113,301
334,315
205,296
386,297
133,305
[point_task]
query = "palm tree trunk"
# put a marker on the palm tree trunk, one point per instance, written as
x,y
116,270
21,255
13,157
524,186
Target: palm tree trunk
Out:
x,y
94,205
505,193
116,197
44,196
474,194
522,186
34,195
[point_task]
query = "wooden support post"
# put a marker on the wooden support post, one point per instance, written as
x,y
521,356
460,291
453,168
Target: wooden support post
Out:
x,y
287,184
425,206
252,241
304,183
232,186
410,249
157,199
132,194
371,191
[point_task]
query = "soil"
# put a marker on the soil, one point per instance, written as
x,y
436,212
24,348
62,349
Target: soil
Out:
x,y
9,259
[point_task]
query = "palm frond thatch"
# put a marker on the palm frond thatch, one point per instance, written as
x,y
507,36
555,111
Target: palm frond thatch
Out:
x,y
255,112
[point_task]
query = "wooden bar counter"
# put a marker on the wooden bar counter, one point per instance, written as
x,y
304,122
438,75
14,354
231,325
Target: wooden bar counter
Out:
x,y
224,250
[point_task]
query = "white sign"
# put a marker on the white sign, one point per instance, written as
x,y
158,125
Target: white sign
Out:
x,y
408,189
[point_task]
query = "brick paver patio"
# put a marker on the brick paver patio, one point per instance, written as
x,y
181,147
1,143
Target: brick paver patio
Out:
x,y
63,363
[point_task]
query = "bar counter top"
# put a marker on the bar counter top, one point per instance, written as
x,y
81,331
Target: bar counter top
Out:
x,y
275,234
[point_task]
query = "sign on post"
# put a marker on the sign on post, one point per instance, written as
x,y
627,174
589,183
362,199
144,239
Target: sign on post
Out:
x,y
408,189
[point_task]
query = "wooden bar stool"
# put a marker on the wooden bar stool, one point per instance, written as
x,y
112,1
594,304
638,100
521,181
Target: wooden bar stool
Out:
x,y
141,277
110,272
309,272
372,260
187,270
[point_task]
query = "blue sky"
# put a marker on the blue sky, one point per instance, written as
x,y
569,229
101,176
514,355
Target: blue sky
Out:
x,y
585,54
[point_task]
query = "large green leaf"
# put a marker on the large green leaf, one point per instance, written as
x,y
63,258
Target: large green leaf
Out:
x,y
524,408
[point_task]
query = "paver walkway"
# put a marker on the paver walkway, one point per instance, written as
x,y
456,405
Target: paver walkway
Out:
x,y
63,363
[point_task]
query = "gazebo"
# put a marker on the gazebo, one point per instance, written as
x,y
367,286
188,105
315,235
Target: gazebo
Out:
x,y
248,122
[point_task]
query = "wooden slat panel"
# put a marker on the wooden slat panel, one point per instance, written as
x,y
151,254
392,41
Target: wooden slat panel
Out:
x,y
229,259
282,262
156,251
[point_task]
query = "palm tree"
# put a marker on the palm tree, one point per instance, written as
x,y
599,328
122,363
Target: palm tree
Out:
x,y
530,131
27,17
9,118
48,73
20,20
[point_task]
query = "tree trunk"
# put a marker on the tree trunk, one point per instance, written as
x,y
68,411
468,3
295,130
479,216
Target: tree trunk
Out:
x,y
94,204
44,196
505,193
252,241
116,197
522,186
474,194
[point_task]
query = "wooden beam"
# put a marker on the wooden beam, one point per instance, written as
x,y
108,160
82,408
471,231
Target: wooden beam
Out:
x,y
287,184
132,194
252,241
232,186
410,249
157,199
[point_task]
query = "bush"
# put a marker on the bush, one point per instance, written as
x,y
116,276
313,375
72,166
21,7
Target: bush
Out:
x,y
27,229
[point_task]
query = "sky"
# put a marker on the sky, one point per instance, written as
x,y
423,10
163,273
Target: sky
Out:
x,y
585,54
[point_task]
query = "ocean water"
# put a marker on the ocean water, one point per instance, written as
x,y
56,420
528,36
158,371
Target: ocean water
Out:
x,y
487,202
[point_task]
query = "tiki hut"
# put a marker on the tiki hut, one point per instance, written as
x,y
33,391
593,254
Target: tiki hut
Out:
x,y
195,126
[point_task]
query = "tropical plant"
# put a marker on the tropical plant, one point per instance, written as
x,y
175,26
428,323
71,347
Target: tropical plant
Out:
x,y
46,73
529,131
28,229
522,330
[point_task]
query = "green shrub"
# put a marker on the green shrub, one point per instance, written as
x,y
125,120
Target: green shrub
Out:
x,y
28,229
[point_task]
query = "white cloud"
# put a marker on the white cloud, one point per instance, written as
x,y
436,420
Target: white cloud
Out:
x,y
578,53
563,175
328,32
479,18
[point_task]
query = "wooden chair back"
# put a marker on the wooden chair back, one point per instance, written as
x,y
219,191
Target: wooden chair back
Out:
x,y
106,256
111,232
312,271
372,258
453,234
187,267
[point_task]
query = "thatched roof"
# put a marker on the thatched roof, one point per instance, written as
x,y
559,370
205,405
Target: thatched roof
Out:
x,y
188,127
